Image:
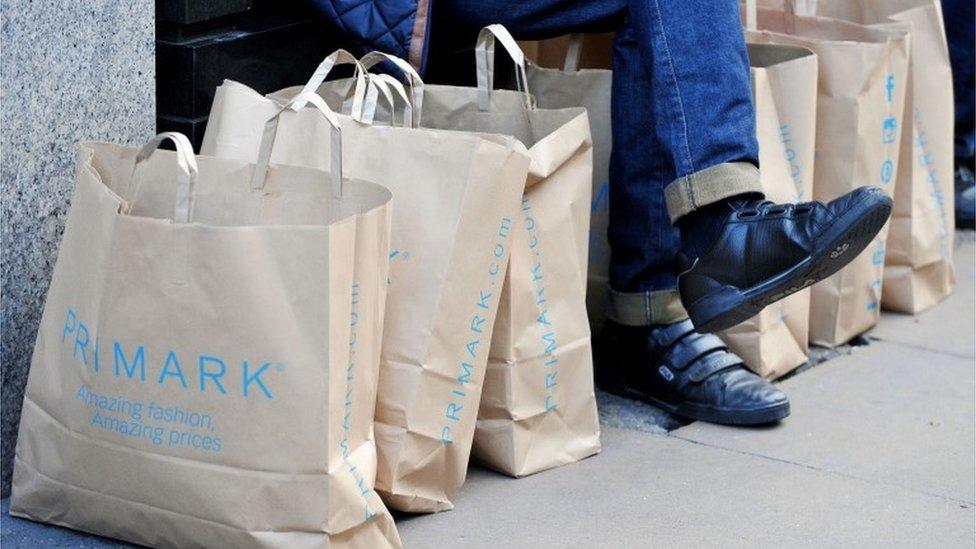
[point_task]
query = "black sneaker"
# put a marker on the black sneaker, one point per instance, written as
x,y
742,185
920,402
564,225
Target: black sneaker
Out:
x,y
767,251
686,373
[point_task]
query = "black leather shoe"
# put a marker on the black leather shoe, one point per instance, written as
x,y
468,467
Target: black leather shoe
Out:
x,y
767,251
686,373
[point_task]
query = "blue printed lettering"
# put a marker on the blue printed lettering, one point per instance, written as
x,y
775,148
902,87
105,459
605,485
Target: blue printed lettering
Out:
x,y
81,344
171,368
255,379
130,369
70,322
472,347
465,376
214,376
453,411
550,342
476,323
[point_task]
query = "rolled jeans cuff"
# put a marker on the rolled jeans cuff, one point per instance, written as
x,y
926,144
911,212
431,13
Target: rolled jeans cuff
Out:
x,y
645,308
688,193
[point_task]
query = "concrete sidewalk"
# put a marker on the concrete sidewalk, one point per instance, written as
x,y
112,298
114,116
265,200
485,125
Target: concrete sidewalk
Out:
x,y
880,450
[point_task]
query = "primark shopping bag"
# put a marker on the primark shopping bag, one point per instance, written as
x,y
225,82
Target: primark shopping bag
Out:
x,y
918,271
196,380
784,87
456,196
538,408
860,100
572,86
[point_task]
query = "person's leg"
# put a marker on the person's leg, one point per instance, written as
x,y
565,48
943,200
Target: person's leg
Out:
x,y
961,34
738,253
643,243
648,348
684,137
705,118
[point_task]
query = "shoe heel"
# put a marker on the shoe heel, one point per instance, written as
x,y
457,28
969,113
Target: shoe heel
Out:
x,y
719,310
610,382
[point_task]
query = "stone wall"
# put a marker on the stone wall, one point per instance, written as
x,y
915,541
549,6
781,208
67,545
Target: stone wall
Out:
x,y
69,71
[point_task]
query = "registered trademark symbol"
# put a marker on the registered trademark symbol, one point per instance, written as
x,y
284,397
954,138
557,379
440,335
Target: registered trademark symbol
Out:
x,y
279,367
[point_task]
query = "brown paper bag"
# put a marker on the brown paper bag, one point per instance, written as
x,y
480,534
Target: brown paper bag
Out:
x,y
456,200
197,378
784,84
589,88
861,96
538,408
918,270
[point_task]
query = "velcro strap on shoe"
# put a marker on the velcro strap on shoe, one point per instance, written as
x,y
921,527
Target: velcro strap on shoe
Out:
x,y
665,337
712,364
693,347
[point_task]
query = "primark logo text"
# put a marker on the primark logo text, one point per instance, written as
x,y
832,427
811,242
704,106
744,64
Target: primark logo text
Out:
x,y
198,372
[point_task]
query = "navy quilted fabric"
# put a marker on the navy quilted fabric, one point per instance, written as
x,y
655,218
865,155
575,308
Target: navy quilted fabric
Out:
x,y
385,25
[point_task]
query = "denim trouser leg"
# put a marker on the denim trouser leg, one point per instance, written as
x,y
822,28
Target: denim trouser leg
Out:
x,y
958,15
683,123
643,242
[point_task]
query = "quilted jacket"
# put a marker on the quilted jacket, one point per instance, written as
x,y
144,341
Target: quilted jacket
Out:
x,y
399,27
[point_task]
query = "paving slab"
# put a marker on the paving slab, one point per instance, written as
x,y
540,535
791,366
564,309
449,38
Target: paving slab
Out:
x,y
651,490
948,327
888,413
657,491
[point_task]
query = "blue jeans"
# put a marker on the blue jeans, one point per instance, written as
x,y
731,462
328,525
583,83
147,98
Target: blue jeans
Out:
x,y
682,117
958,15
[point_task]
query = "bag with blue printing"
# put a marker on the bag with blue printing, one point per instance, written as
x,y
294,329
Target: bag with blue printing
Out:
x,y
538,407
863,80
456,200
572,86
918,267
206,365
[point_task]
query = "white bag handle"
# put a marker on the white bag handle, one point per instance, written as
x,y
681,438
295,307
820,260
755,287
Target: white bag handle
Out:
x,y
789,16
260,174
411,76
387,85
186,179
573,51
338,57
375,87
485,59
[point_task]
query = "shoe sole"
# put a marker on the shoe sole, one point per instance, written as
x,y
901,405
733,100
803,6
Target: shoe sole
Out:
x,y
848,237
723,416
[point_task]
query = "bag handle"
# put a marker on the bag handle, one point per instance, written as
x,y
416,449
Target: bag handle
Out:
x,y
186,179
260,174
789,16
334,59
573,52
374,88
411,77
485,60
387,85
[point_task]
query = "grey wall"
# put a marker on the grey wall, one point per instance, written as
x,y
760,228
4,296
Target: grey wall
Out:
x,y
70,70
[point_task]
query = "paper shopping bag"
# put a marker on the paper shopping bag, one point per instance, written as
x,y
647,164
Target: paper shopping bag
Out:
x,y
861,96
197,380
455,200
538,409
918,270
784,85
571,86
